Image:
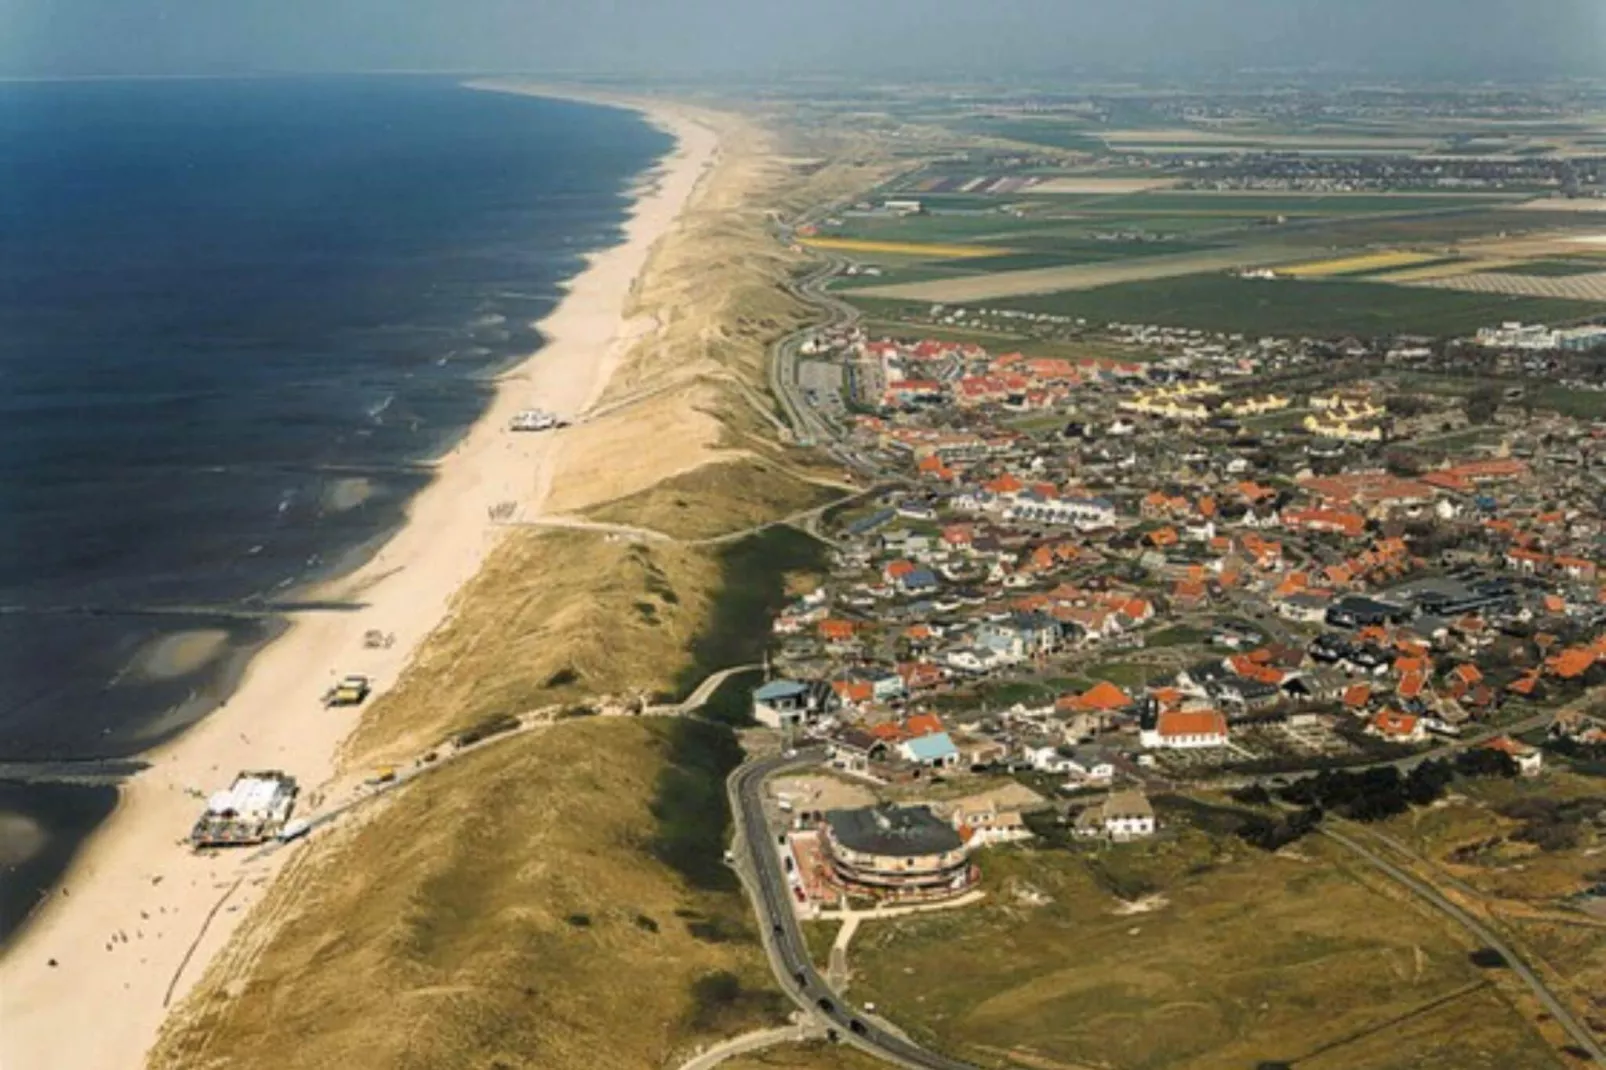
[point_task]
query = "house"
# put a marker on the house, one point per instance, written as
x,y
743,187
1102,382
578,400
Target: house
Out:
x,y
885,684
1102,698
1022,636
1397,727
1121,816
975,660
1530,760
976,753
993,817
1306,607
1356,611
1186,730
934,751
1088,763
1315,685
783,703
852,750
1084,513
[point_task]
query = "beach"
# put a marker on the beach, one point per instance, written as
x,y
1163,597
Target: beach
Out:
x,y
137,917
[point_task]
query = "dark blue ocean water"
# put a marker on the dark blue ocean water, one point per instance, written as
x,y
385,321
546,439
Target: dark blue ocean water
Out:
x,y
234,319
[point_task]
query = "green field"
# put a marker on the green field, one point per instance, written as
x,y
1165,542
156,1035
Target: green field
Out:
x,y
1440,227
1580,404
1053,133
1187,202
1551,268
1327,307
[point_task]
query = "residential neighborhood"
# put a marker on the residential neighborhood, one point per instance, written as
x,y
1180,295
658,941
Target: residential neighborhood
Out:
x,y
1213,563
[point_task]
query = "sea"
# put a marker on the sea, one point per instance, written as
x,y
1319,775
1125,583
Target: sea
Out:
x,y
238,319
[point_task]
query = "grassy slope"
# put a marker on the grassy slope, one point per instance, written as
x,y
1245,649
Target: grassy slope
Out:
x,y
718,498
504,912
554,617
1254,958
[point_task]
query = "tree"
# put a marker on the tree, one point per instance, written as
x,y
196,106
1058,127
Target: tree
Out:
x,y
1481,405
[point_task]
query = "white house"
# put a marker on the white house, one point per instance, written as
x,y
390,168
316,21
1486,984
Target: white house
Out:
x,y
994,817
977,660
1083,513
1122,816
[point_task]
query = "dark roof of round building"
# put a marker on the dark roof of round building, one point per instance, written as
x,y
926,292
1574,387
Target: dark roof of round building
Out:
x,y
897,831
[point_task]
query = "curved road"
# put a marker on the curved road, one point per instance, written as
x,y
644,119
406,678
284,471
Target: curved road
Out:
x,y
759,866
1564,1017
808,426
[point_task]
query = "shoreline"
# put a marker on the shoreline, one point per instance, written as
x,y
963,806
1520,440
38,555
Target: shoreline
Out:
x,y
136,917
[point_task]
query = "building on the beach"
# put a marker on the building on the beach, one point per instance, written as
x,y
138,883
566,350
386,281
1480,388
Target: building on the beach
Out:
x,y
252,810
895,851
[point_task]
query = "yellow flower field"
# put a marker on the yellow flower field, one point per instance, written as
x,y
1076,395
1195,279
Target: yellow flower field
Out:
x,y
933,250
1356,265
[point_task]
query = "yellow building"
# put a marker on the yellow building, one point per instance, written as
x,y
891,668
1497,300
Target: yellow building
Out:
x,y
1254,406
1329,425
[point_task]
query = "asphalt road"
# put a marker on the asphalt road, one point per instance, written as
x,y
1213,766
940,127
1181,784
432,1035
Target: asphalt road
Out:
x,y
808,426
1564,1017
758,863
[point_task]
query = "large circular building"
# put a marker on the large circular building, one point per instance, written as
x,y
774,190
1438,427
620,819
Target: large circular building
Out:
x,y
895,850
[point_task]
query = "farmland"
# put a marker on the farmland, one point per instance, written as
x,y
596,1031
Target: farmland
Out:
x,y
1291,306
915,249
1574,287
1359,264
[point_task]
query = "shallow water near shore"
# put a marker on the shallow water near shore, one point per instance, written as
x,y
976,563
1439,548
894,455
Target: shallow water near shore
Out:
x,y
237,320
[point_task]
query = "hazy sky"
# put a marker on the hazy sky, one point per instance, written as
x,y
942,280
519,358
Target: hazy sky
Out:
x,y
895,37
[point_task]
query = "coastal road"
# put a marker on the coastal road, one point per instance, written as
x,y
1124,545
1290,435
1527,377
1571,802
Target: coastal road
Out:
x,y
1580,1034
808,426
759,866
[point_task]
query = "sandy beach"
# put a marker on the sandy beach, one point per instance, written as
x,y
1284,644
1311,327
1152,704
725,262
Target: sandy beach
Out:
x,y
137,917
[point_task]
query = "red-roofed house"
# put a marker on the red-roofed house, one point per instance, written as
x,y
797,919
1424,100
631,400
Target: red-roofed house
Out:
x,y
1397,727
1186,730
1570,663
1350,525
1529,760
1102,697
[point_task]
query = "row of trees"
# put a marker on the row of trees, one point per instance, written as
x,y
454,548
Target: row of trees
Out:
x,y
1365,795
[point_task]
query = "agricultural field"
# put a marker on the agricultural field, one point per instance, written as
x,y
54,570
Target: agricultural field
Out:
x,y
1359,264
1076,136
1326,307
1004,286
921,250
1191,952
1575,287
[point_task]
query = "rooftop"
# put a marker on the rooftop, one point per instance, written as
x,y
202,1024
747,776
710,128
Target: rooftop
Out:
x,y
898,831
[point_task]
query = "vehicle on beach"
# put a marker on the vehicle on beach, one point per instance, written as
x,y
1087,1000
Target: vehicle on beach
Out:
x,y
350,691
295,830
536,420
